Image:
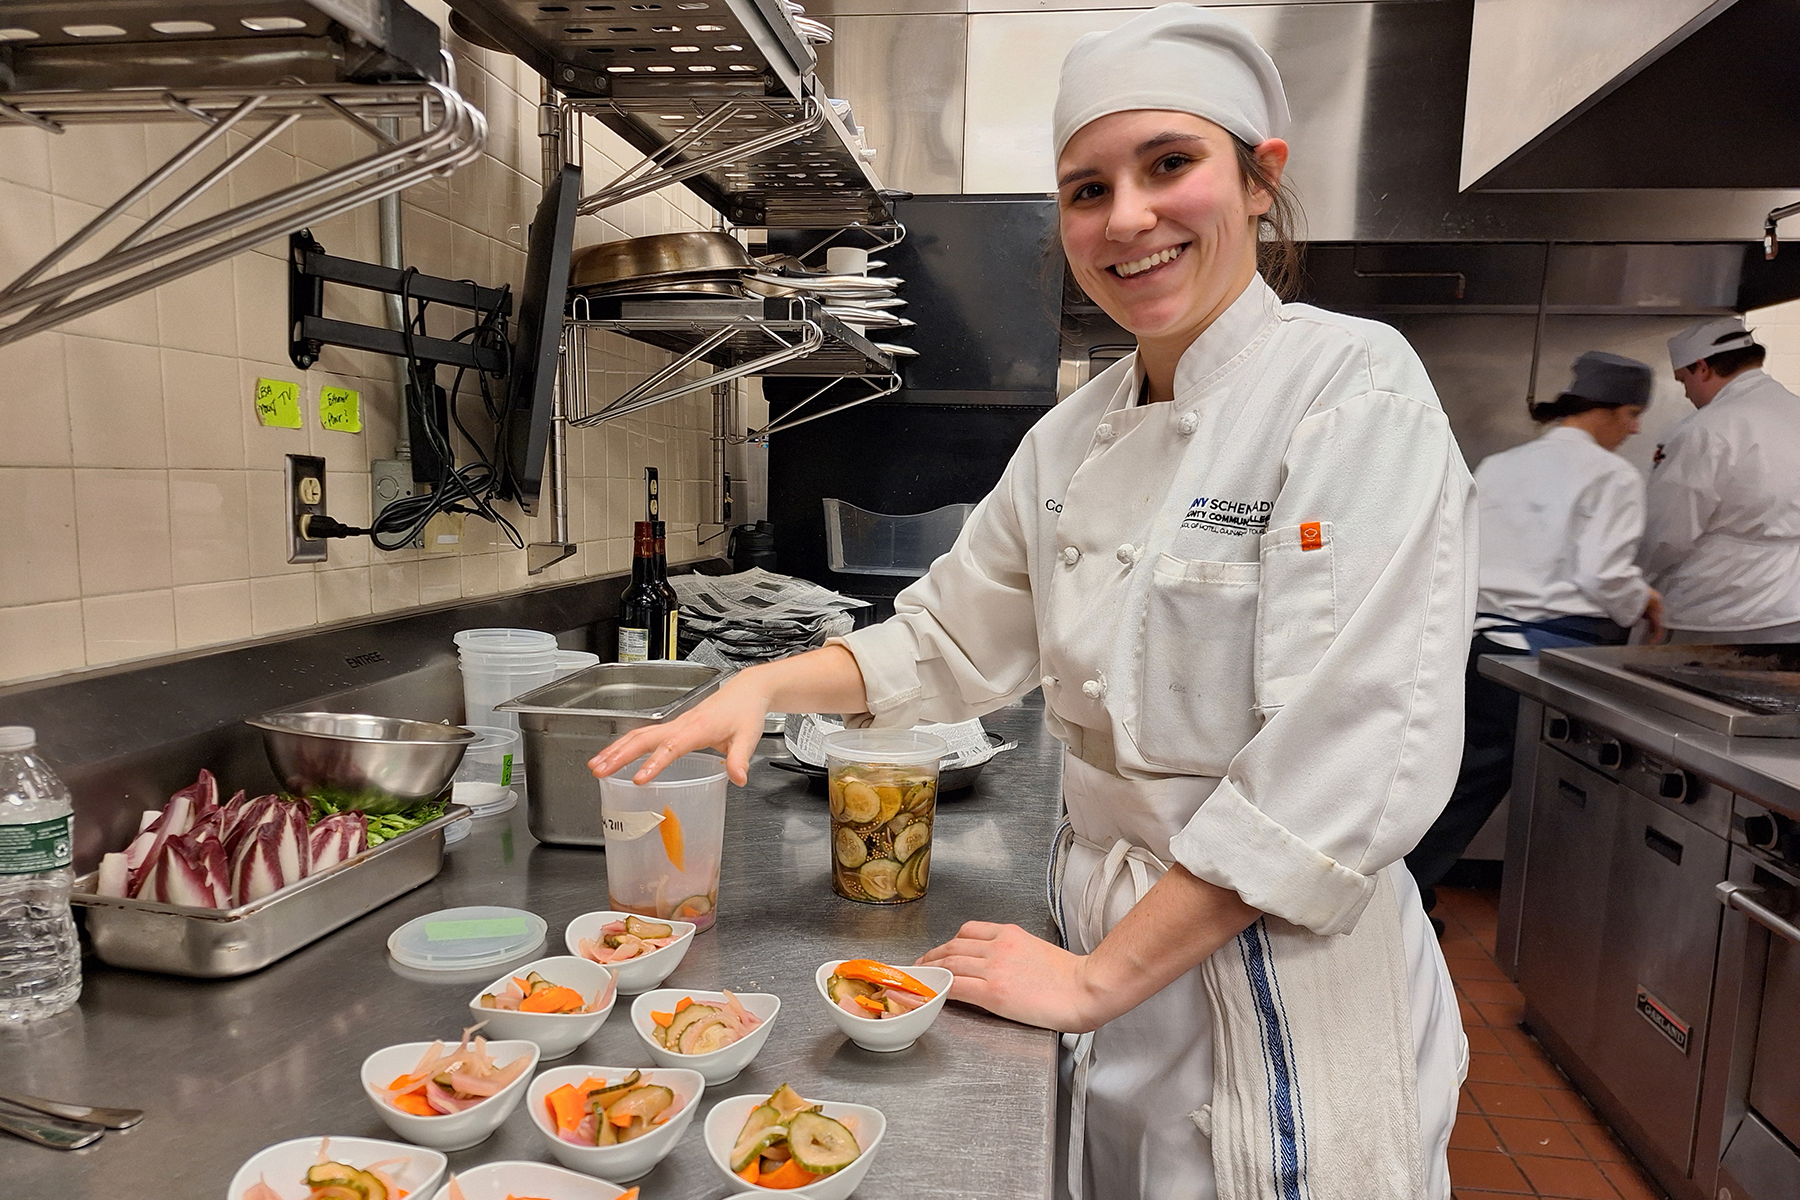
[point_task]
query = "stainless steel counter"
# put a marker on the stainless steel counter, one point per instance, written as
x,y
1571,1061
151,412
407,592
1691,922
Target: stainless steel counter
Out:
x,y
1765,768
226,1068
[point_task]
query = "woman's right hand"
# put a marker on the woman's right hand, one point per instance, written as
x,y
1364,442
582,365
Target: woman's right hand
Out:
x,y
730,721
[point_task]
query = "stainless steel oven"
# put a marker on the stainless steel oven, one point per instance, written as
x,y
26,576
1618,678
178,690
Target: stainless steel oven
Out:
x,y
1752,1098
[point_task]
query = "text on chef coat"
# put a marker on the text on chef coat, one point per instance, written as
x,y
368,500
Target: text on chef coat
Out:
x,y
1236,517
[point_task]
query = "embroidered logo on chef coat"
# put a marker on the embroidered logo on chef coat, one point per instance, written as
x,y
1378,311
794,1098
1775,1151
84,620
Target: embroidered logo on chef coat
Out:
x,y
1235,517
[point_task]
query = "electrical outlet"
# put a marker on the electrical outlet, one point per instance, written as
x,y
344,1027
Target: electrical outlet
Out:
x,y
306,497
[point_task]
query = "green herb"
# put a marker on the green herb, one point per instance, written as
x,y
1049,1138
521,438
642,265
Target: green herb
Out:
x,y
386,826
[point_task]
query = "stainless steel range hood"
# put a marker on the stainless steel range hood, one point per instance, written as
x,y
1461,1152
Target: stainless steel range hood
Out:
x,y
1613,94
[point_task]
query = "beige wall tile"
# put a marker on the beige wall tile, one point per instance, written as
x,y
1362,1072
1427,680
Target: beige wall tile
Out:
x,y
511,571
440,579
282,602
259,288
268,522
132,625
122,528
115,403
200,410
25,157
347,499
98,163
41,639
210,613
393,585
39,562
130,320
480,574
34,402
342,594
199,311
208,527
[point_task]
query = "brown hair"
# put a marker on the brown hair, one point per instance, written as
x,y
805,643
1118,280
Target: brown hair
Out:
x,y
1727,363
1277,252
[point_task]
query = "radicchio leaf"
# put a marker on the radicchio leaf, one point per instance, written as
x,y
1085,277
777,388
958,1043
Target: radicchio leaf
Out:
x,y
181,877
114,877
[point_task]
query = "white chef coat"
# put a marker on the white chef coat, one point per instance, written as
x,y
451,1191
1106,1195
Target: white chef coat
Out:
x,y
1560,523
1262,590
1722,530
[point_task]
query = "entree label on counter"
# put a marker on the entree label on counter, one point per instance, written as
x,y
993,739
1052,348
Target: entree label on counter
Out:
x,y
468,931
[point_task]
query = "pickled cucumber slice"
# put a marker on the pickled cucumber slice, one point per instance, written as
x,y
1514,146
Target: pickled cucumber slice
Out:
x,y
706,1036
348,1178
862,803
820,1144
762,1129
891,799
880,878
915,875
787,1102
920,795
851,850
693,906
641,1104
648,929
841,989
834,791
911,840
671,1035
598,1101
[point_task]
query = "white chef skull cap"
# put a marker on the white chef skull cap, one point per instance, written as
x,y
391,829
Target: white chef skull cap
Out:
x,y
1707,338
1179,58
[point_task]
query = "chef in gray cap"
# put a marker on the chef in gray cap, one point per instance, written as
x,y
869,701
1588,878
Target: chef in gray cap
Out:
x,y
1560,521
1722,526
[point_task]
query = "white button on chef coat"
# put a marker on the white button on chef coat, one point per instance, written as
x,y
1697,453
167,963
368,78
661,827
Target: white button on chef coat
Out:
x,y
1071,555
1280,670
1104,433
1126,554
1722,527
1093,689
1560,522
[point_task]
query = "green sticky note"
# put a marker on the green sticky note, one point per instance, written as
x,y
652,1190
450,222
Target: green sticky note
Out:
x,y
340,409
466,931
278,403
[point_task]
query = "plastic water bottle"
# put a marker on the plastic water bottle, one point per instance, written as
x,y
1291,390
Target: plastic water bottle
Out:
x,y
40,956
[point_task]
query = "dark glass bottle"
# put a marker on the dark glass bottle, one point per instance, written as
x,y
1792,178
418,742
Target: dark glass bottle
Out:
x,y
673,643
643,609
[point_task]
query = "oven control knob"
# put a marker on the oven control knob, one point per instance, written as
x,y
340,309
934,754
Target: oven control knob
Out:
x,y
1609,753
1556,727
1763,830
1678,785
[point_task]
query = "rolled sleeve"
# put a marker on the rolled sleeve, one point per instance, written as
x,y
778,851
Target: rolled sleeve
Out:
x,y
1361,740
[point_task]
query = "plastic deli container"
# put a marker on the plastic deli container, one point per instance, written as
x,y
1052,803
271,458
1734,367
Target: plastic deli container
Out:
x,y
882,785
860,542
498,664
665,838
570,661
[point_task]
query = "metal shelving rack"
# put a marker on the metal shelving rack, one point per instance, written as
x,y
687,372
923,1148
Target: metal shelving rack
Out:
x,y
245,67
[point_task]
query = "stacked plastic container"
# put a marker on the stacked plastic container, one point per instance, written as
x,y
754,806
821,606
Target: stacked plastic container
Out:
x,y
498,664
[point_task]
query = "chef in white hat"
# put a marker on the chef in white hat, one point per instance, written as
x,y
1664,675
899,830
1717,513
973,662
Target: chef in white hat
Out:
x,y
1722,526
1239,563
1561,517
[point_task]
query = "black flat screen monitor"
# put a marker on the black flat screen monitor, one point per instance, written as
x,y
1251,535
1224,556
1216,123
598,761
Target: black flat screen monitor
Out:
x,y
531,389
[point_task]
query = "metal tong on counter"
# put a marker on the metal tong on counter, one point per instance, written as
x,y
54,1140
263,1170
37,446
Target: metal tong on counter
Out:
x,y
59,1125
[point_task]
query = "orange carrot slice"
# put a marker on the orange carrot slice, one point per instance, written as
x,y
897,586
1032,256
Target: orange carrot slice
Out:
x,y
552,1000
874,972
791,1175
400,1082
416,1104
671,836
568,1105
753,1172
874,1006
663,1019
683,1003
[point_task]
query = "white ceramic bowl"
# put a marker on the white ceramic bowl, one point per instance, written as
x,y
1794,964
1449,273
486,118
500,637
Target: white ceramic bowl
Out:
x,y
556,1034
284,1164
634,1158
726,1121
720,1065
888,1033
451,1131
635,974
498,1180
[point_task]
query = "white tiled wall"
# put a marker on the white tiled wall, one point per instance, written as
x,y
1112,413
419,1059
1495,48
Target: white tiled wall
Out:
x,y
144,505
1778,329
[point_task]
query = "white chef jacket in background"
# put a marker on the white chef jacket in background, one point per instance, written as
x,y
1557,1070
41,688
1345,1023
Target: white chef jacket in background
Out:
x,y
1560,521
1722,528
1249,608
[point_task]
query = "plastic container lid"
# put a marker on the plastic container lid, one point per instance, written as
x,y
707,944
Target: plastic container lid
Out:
x,y
901,747
17,737
458,829
458,939
503,641
570,661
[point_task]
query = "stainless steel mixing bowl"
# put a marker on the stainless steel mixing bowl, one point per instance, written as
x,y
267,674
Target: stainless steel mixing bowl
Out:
x,y
661,256
354,760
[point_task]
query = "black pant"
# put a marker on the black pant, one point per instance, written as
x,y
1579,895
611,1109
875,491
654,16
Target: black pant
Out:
x,y
1490,719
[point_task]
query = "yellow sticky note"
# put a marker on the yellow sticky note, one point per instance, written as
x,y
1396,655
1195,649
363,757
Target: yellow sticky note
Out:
x,y
278,403
340,409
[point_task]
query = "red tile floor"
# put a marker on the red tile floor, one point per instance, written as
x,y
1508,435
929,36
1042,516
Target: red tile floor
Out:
x,y
1521,1128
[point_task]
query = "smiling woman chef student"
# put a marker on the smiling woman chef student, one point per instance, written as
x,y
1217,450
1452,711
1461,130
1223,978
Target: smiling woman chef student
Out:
x,y
1239,564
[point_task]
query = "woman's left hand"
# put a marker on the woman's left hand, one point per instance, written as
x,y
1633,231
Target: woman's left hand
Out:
x,y
1015,975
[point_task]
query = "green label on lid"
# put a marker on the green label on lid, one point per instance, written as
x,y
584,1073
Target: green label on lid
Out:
x,y
505,770
468,931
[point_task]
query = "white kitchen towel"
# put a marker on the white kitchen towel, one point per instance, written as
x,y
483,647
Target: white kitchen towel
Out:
x,y
1315,1088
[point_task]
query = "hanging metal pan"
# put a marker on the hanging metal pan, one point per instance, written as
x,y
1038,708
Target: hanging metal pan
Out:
x,y
659,256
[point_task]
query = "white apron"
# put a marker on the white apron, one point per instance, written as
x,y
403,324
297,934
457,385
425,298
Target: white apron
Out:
x,y
1141,1081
